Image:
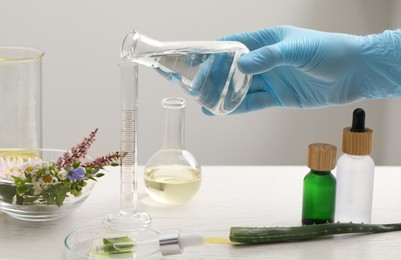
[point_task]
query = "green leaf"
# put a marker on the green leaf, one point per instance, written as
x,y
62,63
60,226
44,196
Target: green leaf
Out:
x,y
118,245
7,192
18,181
89,170
20,190
60,197
30,199
76,164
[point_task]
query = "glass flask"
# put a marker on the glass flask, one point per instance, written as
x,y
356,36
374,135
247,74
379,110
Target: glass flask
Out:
x,y
20,99
206,70
172,175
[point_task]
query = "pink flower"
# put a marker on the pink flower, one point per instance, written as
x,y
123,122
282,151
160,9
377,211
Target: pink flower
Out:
x,y
104,160
77,152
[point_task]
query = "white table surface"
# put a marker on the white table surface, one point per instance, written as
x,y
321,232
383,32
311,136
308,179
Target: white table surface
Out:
x,y
229,196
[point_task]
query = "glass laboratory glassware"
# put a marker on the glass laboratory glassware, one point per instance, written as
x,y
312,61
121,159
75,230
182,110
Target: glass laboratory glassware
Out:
x,y
20,99
97,242
128,218
172,175
127,228
206,70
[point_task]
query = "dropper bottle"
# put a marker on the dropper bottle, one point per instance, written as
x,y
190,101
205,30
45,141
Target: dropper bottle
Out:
x,y
319,187
355,173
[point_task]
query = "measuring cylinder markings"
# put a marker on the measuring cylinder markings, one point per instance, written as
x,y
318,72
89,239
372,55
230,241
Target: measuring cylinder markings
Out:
x,y
128,163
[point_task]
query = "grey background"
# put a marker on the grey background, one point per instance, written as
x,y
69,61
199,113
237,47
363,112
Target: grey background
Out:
x,y
81,78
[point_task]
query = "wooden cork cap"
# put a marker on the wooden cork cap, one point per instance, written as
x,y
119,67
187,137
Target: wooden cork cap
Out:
x,y
357,143
322,157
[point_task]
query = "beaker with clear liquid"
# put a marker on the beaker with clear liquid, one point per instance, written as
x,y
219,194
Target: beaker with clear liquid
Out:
x,y
20,99
206,70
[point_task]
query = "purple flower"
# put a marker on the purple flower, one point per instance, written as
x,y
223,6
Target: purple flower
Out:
x,y
76,174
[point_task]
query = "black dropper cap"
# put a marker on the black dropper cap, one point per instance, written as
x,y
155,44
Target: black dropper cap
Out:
x,y
357,140
358,121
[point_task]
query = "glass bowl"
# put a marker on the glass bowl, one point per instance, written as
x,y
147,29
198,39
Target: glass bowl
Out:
x,y
48,200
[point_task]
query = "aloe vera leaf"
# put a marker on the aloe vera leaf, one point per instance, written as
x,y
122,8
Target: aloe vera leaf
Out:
x,y
260,235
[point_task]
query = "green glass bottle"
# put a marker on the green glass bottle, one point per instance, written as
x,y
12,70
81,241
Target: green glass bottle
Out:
x,y
319,191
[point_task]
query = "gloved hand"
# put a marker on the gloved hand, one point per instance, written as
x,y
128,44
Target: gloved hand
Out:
x,y
301,68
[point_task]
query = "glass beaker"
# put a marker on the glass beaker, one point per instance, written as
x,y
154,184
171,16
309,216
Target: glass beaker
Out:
x,y
172,174
20,99
206,70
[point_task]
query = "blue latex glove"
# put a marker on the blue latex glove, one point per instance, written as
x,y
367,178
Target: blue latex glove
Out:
x,y
300,68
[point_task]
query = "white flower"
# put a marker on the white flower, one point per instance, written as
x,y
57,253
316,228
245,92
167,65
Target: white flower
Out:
x,y
37,188
45,164
62,174
38,185
11,167
31,165
4,169
54,179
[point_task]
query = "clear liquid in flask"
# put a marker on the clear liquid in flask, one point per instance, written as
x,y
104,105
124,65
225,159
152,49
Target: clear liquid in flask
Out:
x,y
207,71
172,184
172,174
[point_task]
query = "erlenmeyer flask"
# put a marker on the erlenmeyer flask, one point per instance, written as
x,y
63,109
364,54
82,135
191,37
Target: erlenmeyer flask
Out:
x,y
172,174
206,70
